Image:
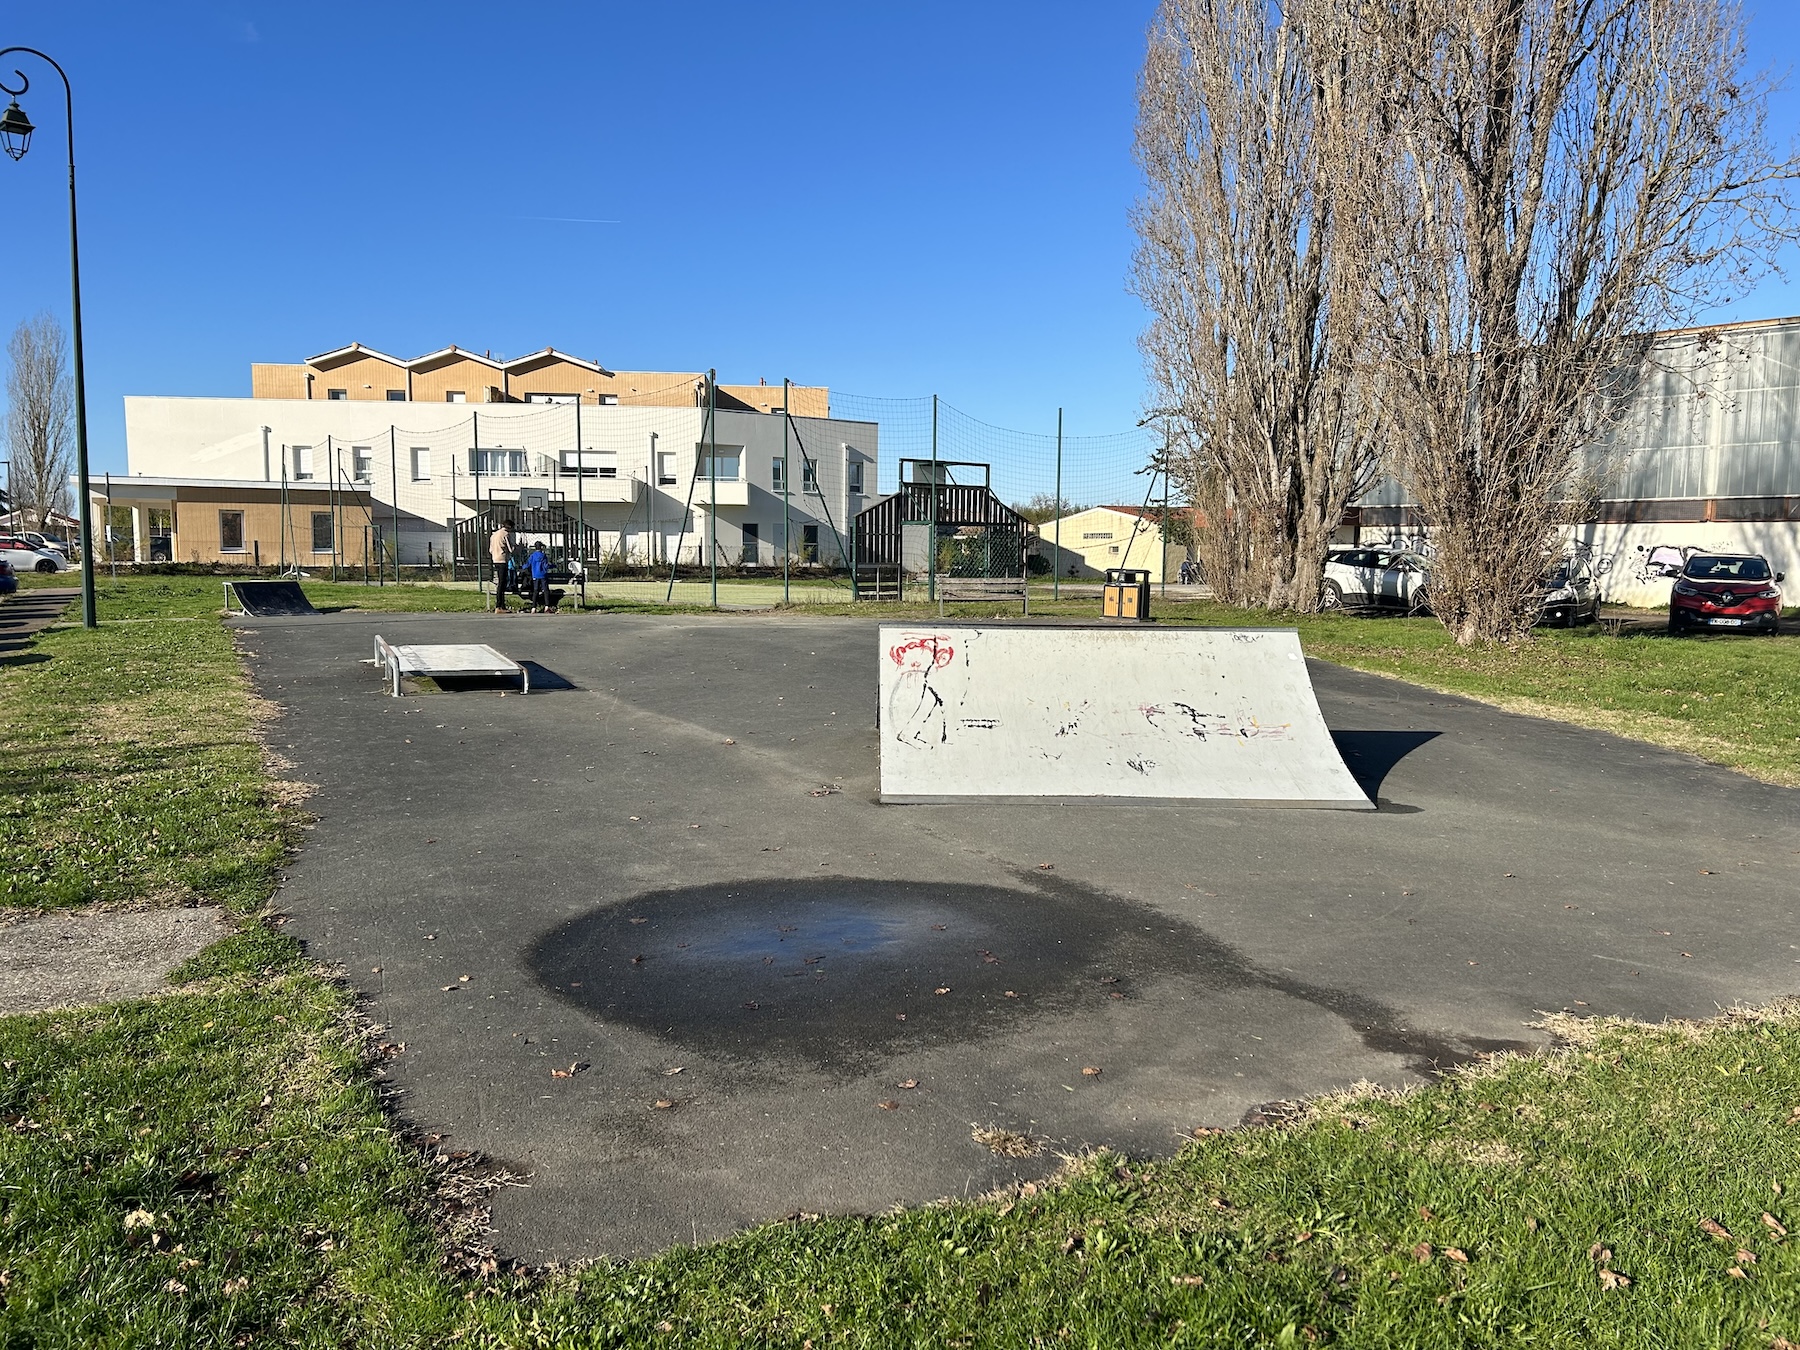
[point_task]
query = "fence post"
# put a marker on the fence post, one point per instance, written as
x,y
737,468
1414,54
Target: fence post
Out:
x,y
932,540
712,458
394,482
787,528
1056,562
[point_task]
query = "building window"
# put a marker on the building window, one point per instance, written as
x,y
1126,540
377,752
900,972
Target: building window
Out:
x,y
809,543
552,398
396,396
854,471
421,464
665,468
752,544
231,532
590,463
1112,548
362,464
609,400
778,476
498,463
1098,534
455,396
321,532
725,464
809,476
302,459
337,393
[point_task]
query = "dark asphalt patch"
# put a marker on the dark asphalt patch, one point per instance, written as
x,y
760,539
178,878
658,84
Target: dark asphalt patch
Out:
x,y
840,974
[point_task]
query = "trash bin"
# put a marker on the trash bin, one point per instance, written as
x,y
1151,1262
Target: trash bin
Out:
x,y
1125,594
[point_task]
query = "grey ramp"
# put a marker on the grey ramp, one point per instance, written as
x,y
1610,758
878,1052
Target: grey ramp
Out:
x,y
444,659
282,599
1022,712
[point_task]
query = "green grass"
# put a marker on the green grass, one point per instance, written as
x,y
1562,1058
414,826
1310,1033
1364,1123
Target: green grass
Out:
x,y
129,771
215,1167
216,1164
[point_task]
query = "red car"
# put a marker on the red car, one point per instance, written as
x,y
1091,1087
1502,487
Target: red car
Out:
x,y
1726,590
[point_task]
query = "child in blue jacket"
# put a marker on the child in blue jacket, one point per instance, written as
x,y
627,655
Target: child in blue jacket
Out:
x,y
539,565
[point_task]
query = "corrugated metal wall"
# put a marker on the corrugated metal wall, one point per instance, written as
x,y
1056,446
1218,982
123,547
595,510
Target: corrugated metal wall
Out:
x,y
1715,414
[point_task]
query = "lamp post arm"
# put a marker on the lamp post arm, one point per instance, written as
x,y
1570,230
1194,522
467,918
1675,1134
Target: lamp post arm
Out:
x,y
85,506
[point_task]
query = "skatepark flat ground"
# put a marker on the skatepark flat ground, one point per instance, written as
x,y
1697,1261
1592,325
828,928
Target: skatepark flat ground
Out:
x,y
668,869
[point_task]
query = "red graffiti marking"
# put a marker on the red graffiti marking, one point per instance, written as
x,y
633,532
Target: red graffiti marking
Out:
x,y
921,653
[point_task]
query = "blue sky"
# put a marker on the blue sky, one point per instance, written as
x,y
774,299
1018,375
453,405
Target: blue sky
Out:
x,y
893,200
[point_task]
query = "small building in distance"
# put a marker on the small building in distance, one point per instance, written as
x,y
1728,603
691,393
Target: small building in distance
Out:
x,y
1103,537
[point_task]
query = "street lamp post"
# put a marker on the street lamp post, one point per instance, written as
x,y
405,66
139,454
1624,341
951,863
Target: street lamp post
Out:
x,y
15,140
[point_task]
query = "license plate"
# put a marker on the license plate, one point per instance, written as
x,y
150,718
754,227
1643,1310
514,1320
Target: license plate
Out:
x,y
1729,623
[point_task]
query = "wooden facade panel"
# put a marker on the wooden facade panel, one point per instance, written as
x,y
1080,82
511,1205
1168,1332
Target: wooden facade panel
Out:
x,y
199,527
555,376
277,381
655,388
804,400
361,378
471,377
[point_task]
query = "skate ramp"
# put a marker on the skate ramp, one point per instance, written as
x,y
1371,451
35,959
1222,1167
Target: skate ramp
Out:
x,y
1023,712
269,599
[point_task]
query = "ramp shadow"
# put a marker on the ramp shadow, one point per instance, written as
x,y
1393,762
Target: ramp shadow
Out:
x,y
840,973
1370,755
543,681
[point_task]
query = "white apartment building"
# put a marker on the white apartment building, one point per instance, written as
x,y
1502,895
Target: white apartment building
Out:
x,y
205,475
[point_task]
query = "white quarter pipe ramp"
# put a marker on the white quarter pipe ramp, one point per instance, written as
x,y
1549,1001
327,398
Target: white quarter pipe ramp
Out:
x,y
1026,712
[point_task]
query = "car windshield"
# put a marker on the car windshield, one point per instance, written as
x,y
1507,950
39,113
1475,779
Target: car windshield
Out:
x,y
1709,568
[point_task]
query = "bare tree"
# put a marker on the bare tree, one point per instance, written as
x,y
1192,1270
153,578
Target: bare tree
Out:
x,y
1570,176
1252,115
1044,506
38,417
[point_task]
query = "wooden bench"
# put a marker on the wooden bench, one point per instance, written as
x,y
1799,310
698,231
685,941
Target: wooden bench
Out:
x,y
983,588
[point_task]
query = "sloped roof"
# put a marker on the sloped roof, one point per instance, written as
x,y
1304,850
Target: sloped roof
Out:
x,y
451,353
551,354
355,349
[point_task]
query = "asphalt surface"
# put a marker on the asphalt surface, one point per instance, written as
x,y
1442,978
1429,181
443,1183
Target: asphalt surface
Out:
x,y
669,879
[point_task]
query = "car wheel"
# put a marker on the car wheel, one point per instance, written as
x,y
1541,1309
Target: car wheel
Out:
x,y
1331,595
46,566
1676,626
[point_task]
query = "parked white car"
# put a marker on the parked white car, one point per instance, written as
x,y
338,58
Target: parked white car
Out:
x,y
25,558
1381,578
49,543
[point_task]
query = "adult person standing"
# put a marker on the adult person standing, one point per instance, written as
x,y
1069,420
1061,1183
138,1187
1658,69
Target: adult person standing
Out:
x,y
500,549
